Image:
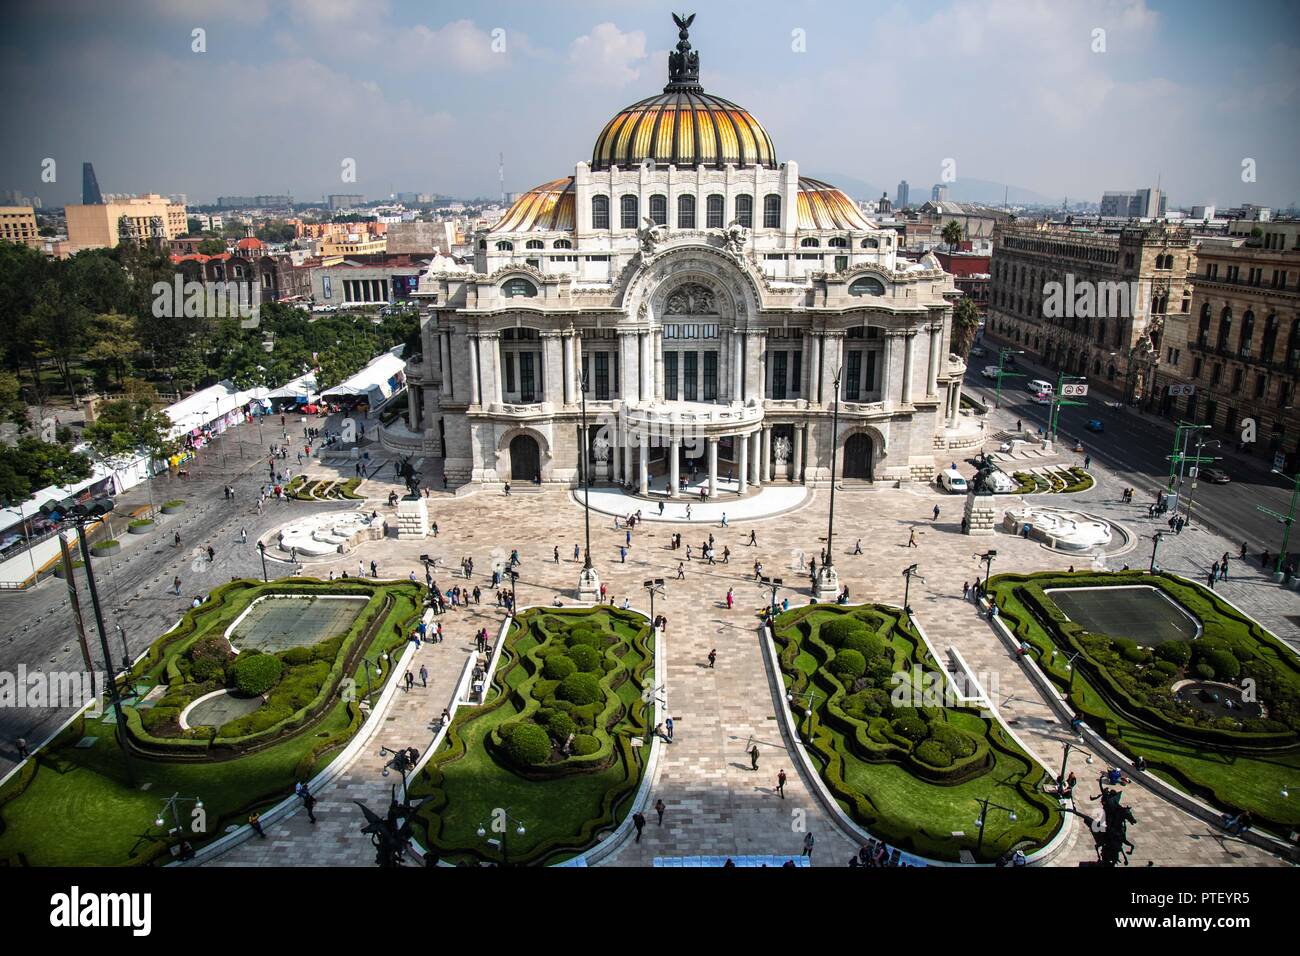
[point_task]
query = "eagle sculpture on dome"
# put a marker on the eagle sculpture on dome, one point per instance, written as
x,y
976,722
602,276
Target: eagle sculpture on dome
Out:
x,y
684,64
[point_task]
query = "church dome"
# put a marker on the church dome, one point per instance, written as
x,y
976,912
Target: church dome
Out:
x,y
683,125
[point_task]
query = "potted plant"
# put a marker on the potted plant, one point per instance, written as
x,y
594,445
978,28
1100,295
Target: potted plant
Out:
x,y
106,547
140,526
173,506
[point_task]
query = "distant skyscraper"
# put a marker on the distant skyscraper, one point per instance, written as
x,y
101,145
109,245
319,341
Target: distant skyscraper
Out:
x,y
90,194
900,200
939,193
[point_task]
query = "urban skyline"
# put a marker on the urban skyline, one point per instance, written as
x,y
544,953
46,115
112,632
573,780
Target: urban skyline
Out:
x,y
428,99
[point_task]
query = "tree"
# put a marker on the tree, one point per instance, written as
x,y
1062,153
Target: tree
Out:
x,y
965,323
952,234
12,407
32,464
113,343
60,328
130,425
211,247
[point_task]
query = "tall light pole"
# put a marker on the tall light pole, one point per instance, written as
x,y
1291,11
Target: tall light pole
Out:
x,y
987,557
588,582
1003,353
774,583
1287,521
827,578
261,548
985,805
520,830
654,586
1155,543
908,573
1201,444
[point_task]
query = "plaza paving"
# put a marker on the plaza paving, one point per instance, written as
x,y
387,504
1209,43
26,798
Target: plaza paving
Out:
x,y
716,804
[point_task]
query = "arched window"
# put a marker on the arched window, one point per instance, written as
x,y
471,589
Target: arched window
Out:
x,y
685,212
810,242
1110,371
771,211
1203,328
870,243
713,207
838,242
504,246
745,211
866,285
1270,339
1247,334
627,211
518,287
562,244
1293,347
599,212
659,209
534,244
1225,328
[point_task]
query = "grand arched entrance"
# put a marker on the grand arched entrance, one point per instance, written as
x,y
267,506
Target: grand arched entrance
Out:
x,y
525,458
858,454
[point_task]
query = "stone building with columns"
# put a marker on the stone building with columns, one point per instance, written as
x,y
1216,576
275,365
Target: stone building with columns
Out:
x,y
699,298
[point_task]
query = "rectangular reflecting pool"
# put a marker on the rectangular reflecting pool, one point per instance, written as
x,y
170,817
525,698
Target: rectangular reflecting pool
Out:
x,y
278,622
1144,614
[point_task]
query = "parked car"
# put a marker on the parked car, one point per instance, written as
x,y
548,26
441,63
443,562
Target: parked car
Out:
x,y
952,482
979,351
1215,476
1094,425
990,371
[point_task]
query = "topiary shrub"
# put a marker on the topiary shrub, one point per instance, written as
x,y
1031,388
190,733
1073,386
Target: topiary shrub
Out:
x,y
255,674
933,753
585,744
579,689
587,658
295,656
1175,652
1128,649
867,703
848,665
205,669
956,742
912,728
527,745
1226,666
836,632
1204,671
558,667
587,635
867,644
561,725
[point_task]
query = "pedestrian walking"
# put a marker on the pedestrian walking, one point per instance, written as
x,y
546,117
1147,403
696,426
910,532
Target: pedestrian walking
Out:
x,y
255,821
780,783
638,821
212,554
911,538
21,744
410,681
668,725
659,809
243,536
1242,554
424,676
965,590
577,552
681,571
753,757
622,555
309,802
731,598
713,658
936,512
507,489
857,548
753,538
808,845
176,584
557,554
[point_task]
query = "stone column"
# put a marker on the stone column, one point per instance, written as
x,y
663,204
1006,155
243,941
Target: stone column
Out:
x,y
576,368
755,439
810,367
887,371
628,385
552,365
765,469
647,368
569,377
475,347
444,355
616,460
674,452
737,365
657,356
932,372
413,407
741,441
755,363
909,356
797,474
712,448
628,440
644,446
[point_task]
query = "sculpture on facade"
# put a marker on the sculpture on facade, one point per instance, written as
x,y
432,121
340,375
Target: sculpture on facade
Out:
x,y
391,834
410,476
600,448
781,448
982,483
691,299
650,235
734,237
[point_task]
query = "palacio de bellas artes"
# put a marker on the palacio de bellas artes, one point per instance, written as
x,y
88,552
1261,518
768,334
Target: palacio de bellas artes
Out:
x,y
701,295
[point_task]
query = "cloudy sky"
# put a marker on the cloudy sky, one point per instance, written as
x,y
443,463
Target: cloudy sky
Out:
x,y
424,95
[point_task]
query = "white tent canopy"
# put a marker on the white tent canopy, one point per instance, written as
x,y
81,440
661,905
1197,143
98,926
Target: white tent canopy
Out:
x,y
209,405
304,386
377,382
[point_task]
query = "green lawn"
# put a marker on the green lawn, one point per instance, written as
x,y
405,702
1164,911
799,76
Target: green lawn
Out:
x,y
911,796
1234,769
563,803
73,806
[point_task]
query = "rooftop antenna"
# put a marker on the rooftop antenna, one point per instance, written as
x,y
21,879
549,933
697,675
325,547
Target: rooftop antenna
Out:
x,y
1006,190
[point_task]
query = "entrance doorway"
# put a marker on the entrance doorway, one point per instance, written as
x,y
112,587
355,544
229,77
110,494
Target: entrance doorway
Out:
x,y
857,456
525,458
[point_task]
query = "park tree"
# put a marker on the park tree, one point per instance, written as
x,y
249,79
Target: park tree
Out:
x,y
31,464
965,323
60,324
952,234
12,407
212,247
113,343
130,424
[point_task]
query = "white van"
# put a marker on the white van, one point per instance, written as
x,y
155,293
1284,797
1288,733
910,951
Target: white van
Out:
x,y
1039,387
952,482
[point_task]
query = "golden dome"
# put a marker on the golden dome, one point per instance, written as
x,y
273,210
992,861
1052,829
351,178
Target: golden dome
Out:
x,y
545,208
823,206
683,125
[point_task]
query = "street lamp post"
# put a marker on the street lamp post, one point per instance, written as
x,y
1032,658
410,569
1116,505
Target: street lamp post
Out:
x,y
812,697
908,573
1069,666
261,548
1070,745
828,580
1155,543
985,805
513,575
774,583
172,804
1201,444
520,830
987,557
401,762
81,515
588,581
1003,353
379,672
1287,521
654,586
